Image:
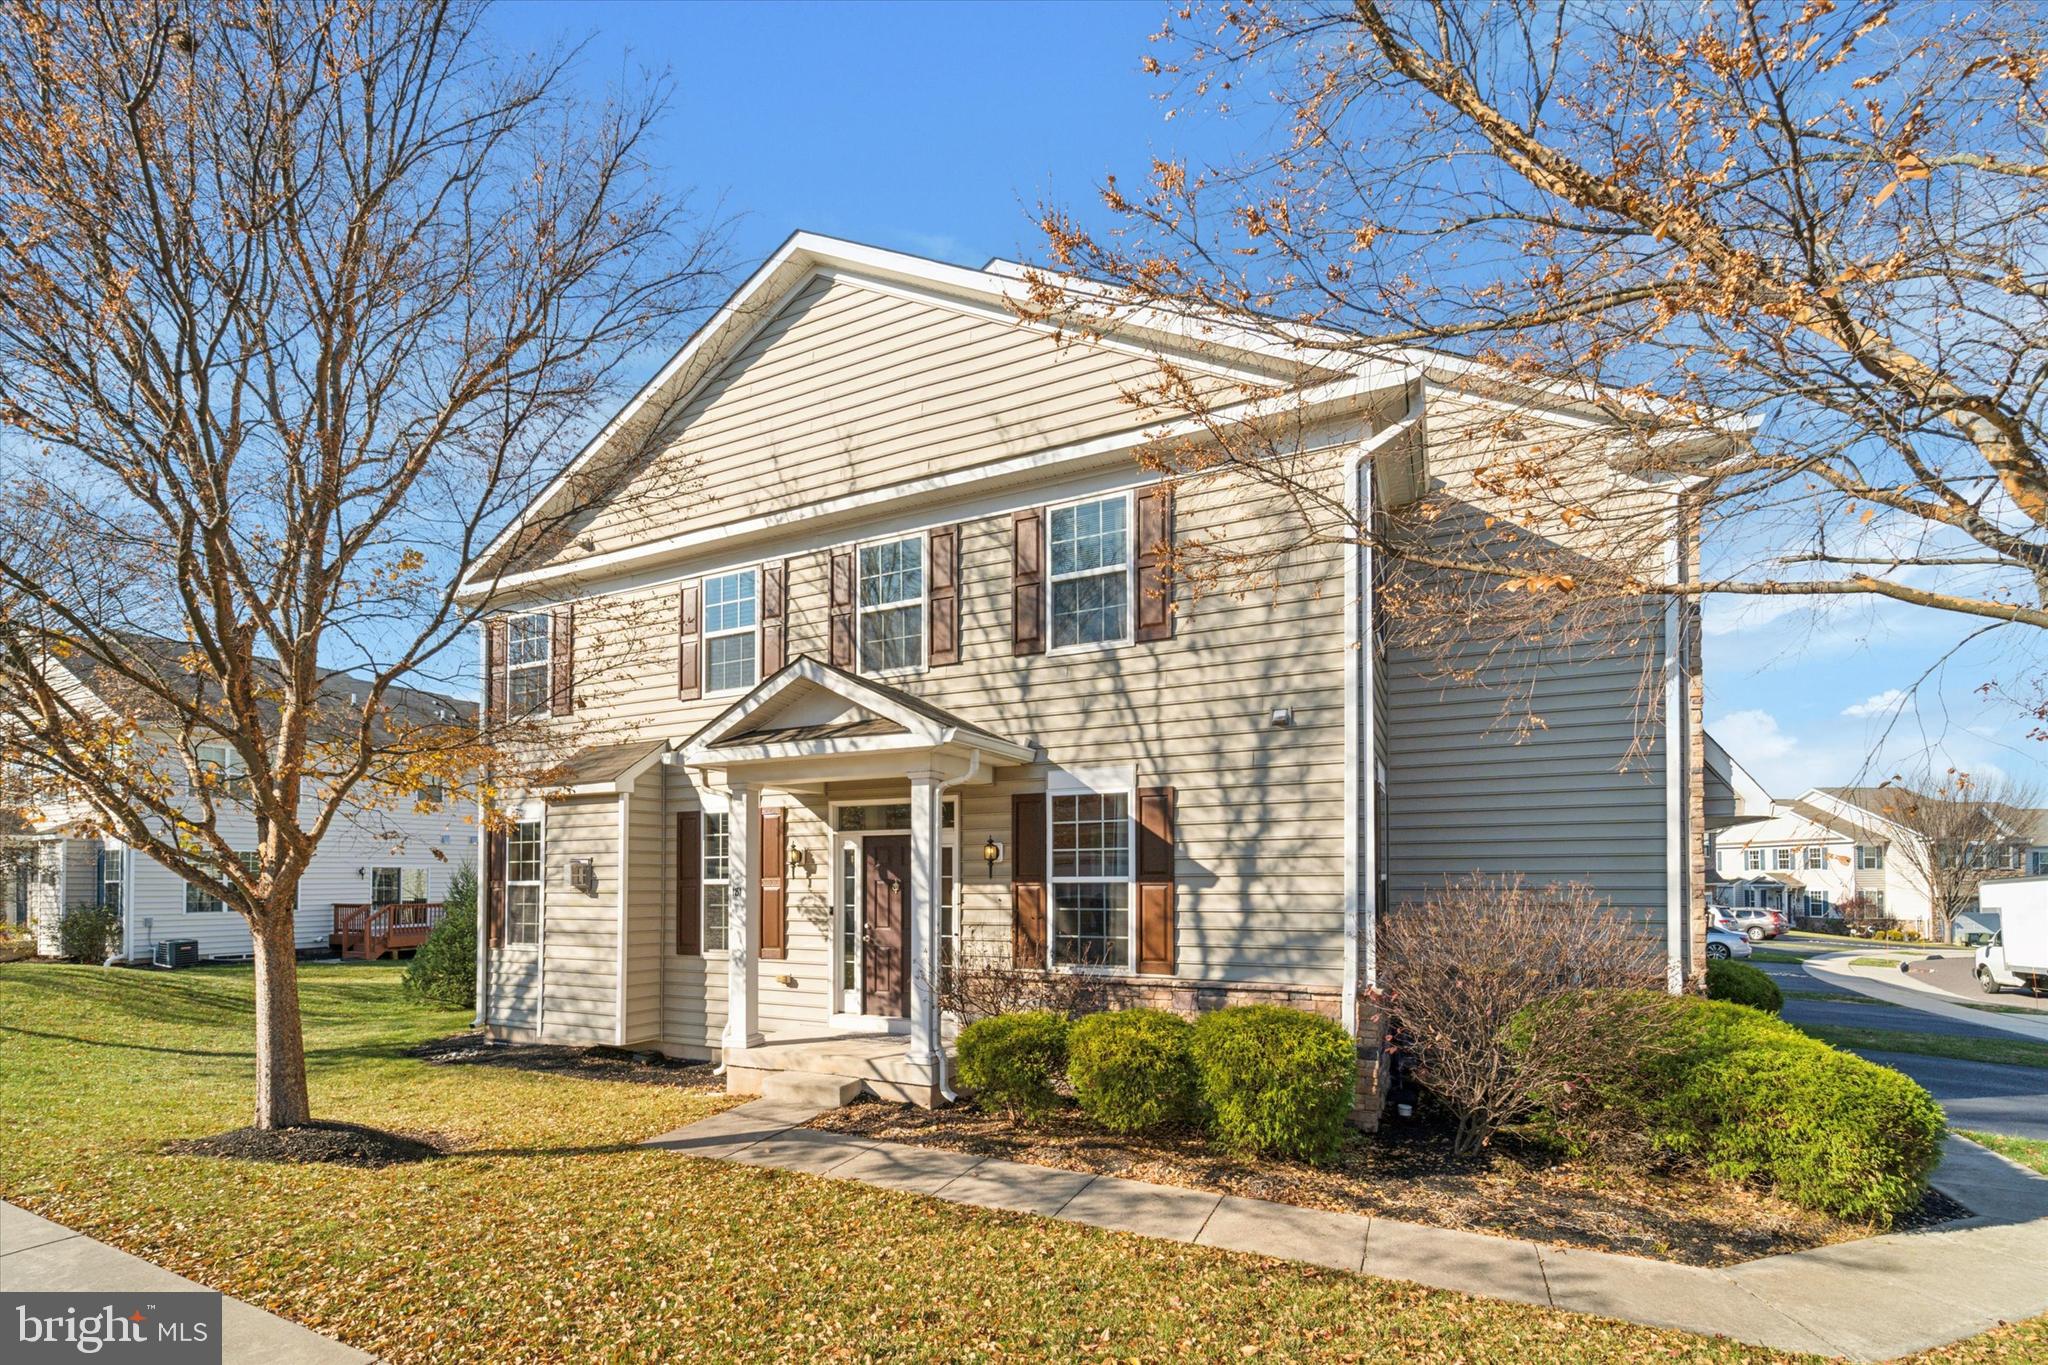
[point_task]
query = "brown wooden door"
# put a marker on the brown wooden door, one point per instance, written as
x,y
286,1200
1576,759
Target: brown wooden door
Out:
x,y
885,944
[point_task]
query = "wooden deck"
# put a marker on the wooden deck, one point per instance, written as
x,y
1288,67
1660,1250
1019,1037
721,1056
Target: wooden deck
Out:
x,y
369,932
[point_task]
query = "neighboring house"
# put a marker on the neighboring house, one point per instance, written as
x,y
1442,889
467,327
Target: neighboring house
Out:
x,y
1829,845
403,854
904,680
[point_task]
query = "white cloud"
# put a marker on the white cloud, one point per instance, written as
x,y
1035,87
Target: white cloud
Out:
x,y
1884,703
1754,737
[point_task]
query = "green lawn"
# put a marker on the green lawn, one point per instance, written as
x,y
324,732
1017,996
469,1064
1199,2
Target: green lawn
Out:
x,y
1776,955
1891,962
553,1236
2027,1151
2006,1051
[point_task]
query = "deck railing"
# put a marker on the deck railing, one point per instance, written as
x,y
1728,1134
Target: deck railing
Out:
x,y
370,931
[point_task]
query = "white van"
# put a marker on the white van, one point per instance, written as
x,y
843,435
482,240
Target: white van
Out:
x,y
2018,954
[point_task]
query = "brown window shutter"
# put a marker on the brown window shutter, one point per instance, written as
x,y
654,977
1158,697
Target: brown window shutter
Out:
x,y
945,595
842,608
774,617
689,882
1027,581
1154,608
494,885
1155,880
770,867
497,665
689,644
1027,880
562,662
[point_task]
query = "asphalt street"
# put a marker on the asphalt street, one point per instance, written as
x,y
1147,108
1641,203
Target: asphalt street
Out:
x,y
1980,1095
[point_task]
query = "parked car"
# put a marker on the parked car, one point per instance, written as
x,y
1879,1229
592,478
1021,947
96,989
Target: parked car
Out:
x,y
1726,943
1758,923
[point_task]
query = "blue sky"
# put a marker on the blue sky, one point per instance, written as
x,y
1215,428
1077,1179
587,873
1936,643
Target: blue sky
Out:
x,y
937,129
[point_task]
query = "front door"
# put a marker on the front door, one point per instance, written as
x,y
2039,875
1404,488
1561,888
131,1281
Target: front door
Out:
x,y
885,947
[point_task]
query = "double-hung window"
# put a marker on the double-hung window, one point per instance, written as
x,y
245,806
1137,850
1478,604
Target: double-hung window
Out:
x,y
110,876
1091,876
717,878
1816,858
1752,860
1089,564
892,605
526,663
222,763
522,884
731,635
1870,857
198,902
1781,860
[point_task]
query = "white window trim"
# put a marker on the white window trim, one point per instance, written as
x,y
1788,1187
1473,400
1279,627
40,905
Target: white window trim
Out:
x,y
531,813
1784,860
1813,858
1758,854
1073,785
722,809
220,907
923,601
546,664
1130,574
704,654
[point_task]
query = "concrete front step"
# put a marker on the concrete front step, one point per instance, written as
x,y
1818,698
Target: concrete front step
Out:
x,y
810,1087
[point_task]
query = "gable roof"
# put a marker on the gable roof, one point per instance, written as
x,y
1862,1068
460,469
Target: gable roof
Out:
x,y
1222,348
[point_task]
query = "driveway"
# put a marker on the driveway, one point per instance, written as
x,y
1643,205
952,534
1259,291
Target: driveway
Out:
x,y
1955,974
1977,1095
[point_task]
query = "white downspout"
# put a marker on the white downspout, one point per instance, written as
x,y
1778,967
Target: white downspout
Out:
x,y
1677,765
1361,719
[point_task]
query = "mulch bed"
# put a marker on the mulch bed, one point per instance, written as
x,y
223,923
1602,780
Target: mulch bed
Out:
x,y
333,1144
591,1063
1407,1172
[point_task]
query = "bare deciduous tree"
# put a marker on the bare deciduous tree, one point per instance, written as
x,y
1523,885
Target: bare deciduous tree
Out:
x,y
1791,256
1460,966
299,301
1959,829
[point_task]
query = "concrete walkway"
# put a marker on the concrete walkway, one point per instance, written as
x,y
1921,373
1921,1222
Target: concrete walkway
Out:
x,y
39,1255
1894,987
1866,1300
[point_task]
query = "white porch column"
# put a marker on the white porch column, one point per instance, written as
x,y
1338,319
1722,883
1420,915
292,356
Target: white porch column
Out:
x,y
926,921
742,919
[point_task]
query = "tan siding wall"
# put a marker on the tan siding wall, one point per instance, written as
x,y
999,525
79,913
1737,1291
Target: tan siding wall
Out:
x,y
850,388
647,931
1577,796
580,930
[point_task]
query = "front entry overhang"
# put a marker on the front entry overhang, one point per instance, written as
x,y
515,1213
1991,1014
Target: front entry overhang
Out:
x,y
812,723
809,725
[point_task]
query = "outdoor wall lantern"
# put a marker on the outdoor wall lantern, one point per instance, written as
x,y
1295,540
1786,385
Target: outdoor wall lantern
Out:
x,y
991,853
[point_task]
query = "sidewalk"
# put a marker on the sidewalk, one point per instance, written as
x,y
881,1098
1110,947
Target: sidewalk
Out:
x,y
36,1254
1866,1300
1894,987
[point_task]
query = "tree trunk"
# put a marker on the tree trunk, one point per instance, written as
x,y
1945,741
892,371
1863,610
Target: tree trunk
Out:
x,y
281,1099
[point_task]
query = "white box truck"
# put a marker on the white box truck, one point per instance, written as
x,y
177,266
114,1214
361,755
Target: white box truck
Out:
x,y
2018,954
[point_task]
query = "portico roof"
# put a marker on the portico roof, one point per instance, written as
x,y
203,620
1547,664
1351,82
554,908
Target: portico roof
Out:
x,y
814,722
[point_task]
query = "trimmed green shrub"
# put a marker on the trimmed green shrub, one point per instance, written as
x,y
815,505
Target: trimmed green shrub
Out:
x,y
1747,1096
1013,1062
1275,1081
443,971
1741,984
88,933
1131,1069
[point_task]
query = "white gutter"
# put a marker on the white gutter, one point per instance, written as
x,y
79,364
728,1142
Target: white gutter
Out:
x,y
1361,719
1677,729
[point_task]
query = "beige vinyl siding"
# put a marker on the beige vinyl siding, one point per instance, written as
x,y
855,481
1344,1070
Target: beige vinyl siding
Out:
x,y
1548,760
648,931
851,388
579,938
